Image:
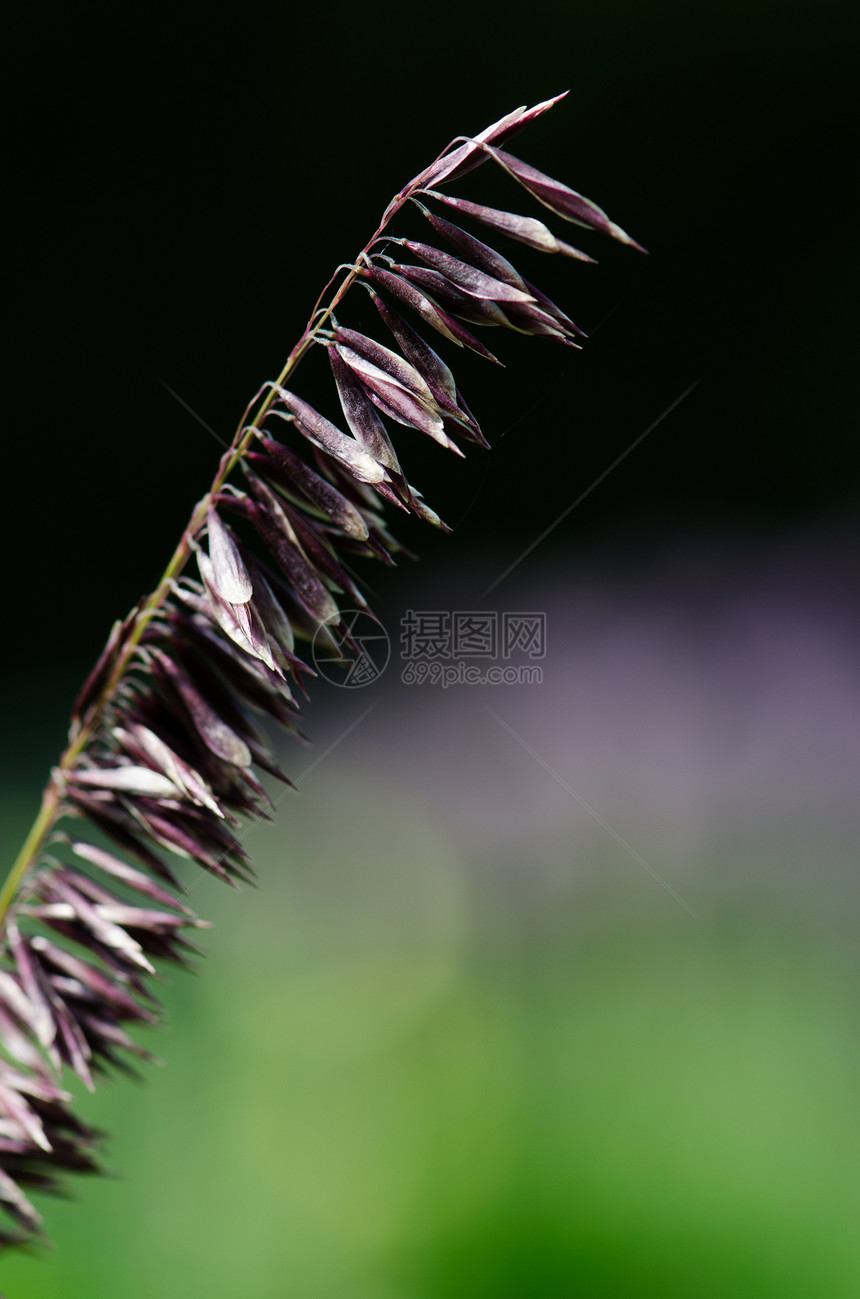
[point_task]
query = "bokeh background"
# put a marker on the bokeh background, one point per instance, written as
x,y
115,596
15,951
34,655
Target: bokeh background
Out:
x,y
560,998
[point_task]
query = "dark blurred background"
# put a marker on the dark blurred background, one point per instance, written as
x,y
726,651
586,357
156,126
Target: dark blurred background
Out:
x,y
478,1050
182,181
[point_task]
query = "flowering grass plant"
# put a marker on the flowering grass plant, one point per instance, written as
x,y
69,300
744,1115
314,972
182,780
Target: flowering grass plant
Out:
x,y
166,747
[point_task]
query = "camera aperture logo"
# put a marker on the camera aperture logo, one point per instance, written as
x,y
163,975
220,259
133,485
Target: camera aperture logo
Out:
x,y
352,650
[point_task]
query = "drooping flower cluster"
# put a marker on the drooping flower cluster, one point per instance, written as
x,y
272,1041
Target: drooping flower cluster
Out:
x,y
166,733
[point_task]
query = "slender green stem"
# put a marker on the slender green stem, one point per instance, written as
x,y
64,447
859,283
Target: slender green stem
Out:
x,y
52,806
32,845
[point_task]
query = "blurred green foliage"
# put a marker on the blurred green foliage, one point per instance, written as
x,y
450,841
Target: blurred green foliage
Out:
x,y
399,1077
